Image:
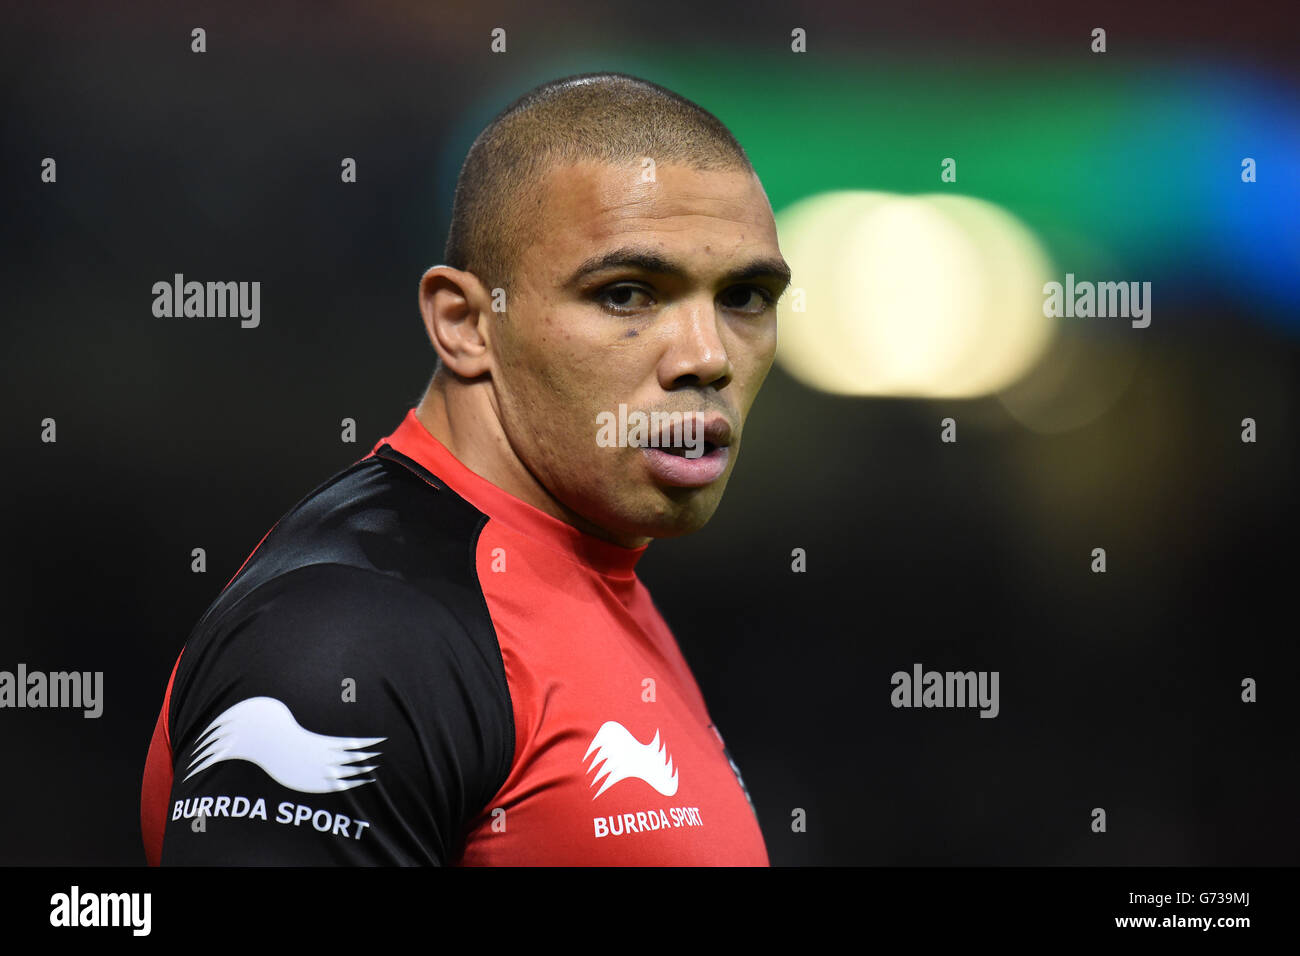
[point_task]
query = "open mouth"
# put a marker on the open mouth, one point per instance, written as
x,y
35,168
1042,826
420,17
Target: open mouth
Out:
x,y
690,451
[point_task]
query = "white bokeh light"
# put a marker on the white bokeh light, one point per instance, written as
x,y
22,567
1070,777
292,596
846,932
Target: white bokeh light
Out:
x,y
926,296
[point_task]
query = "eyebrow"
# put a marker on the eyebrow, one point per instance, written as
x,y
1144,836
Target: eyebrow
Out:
x,y
647,260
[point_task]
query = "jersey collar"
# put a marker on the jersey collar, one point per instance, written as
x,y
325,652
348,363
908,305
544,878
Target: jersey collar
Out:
x,y
412,439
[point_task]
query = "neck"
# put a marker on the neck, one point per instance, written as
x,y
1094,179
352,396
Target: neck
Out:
x,y
463,417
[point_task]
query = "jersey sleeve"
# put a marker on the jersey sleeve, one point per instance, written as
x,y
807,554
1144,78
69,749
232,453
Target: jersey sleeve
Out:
x,y
336,715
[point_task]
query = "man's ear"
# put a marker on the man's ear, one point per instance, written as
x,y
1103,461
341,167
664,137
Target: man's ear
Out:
x,y
456,307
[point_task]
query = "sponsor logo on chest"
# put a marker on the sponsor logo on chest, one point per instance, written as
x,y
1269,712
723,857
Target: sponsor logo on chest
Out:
x,y
616,756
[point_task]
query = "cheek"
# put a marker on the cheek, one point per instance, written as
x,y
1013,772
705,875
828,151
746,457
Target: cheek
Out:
x,y
753,357
553,350
765,340
584,377
559,377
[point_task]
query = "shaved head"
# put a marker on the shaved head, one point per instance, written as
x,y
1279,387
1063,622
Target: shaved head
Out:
x,y
603,117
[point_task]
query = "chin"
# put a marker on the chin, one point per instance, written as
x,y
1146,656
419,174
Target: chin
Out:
x,y
655,511
683,511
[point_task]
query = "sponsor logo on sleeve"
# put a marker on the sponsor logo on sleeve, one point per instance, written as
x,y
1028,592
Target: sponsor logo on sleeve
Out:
x,y
264,732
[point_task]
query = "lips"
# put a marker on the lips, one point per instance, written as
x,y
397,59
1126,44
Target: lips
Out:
x,y
714,429
670,464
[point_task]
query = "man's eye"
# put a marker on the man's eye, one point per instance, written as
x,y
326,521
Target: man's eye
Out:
x,y
623,298
630,298
748,298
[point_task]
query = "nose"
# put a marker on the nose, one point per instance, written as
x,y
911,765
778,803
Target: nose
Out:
x,y
696,355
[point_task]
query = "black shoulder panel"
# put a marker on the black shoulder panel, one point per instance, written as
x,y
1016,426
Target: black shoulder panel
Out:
x,y
349,677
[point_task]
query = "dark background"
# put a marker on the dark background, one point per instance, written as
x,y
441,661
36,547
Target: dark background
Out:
x,y
1119,690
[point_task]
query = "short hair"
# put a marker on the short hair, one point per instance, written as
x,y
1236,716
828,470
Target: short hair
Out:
x,y
606,117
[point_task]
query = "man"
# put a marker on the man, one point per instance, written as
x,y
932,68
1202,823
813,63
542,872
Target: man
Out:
x,y
443,655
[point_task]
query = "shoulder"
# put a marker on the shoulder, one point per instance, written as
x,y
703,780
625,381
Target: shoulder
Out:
x,y
378,557
361,609
384,514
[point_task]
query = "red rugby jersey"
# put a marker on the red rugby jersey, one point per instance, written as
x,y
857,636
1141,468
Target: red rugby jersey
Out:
x,y
415,667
